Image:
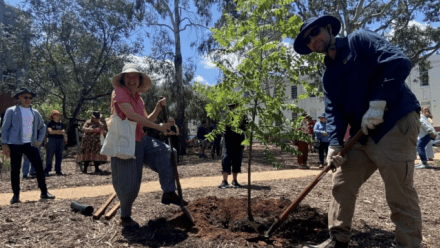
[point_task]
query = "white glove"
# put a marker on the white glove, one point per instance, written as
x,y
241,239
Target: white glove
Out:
x,y
332,156
373,116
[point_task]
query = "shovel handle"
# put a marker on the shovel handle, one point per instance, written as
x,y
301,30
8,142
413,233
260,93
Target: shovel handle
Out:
x,y
350,143
173,159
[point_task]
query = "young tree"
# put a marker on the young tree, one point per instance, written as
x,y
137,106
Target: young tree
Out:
x,y
267,64
77,47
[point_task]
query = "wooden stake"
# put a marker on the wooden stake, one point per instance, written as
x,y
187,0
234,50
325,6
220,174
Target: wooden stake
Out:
x,y
98,213
112,211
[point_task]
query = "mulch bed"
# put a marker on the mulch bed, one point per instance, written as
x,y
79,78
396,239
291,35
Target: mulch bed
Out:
x,y
220,214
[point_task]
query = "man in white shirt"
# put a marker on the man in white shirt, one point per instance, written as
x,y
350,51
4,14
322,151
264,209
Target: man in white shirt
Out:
x,y
23,131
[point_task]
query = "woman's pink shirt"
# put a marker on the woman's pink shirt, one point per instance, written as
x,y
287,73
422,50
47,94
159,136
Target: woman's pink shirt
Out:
x,y
124,95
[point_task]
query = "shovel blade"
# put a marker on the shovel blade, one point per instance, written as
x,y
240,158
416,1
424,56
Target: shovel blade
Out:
x,y
189,219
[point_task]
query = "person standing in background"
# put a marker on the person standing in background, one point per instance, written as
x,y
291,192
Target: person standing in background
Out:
x,y
320,130
303,146
174,136
55,145
23,131
426,134
232,156
215,144
91,143
201,132
429,150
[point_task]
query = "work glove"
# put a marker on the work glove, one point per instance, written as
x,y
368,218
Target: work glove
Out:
x,y
373,116
333,158
433,136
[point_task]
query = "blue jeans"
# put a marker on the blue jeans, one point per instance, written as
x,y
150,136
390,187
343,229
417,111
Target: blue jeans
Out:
x,y
421,147
54,147
27,164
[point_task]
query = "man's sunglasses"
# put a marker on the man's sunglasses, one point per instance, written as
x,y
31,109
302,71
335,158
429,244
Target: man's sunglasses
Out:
x,y
27,97
315,31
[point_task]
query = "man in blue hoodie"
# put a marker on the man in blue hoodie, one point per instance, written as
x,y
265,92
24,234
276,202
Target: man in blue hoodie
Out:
x,y
364,87
23,131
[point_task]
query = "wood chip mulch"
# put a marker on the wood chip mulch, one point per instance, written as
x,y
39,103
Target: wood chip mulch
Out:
x,y
220,214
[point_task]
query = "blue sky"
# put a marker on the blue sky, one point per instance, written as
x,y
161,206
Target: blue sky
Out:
x,y
203,73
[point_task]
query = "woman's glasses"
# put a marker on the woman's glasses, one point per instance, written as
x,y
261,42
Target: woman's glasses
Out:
x,y
27,98
315,31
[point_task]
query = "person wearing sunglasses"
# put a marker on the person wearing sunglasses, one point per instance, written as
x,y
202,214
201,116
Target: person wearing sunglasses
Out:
x,y
23,131
364,87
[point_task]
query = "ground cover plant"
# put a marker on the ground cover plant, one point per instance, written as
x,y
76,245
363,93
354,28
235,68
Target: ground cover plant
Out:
x,y
218,213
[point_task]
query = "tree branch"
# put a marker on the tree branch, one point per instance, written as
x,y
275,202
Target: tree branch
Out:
x,y
193,24
161,25
97,96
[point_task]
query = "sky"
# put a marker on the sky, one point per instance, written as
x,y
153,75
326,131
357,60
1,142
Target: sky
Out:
x,y
206,72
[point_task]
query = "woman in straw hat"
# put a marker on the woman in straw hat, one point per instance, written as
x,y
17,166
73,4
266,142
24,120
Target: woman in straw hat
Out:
x,y
127,173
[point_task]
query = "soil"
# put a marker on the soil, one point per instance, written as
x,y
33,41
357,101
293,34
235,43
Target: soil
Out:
x,y
220,215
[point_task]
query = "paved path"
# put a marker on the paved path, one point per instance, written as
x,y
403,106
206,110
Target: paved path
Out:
x,y
193,182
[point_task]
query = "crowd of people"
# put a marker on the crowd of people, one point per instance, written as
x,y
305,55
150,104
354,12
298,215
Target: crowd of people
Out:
x,y
363,87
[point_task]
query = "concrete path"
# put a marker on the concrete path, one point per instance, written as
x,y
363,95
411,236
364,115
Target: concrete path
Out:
x,y
194,182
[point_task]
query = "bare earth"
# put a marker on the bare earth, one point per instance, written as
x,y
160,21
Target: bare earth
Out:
x,y
220,214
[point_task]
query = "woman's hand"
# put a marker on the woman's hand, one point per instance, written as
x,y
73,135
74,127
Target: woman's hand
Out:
x,y
6,150
161,103
164,127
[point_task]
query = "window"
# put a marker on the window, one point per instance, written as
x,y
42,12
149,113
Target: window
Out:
x,y
294,116
294,92
423,75
245,94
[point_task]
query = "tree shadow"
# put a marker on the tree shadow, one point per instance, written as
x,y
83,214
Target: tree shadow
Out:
x,y
256,187
157,233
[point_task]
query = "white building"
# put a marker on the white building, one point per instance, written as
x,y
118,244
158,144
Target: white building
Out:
x,y
424,84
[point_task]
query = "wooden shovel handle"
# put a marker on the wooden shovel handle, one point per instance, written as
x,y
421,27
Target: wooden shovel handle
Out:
x,y
312,184
98,213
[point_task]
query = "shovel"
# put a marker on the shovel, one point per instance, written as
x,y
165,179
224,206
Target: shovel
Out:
x,y
176,174
306,191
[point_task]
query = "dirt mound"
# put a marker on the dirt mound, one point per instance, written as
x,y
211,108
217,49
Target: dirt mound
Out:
x,y
227,219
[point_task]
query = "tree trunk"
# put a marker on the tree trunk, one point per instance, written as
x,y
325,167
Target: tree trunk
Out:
x,y
71,135
249,209
180,120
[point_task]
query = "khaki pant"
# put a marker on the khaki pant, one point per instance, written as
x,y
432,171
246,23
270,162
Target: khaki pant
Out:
x,y
394,156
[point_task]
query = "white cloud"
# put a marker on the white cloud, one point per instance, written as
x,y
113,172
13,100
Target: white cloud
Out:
x,y
200,79
411,23
207,63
